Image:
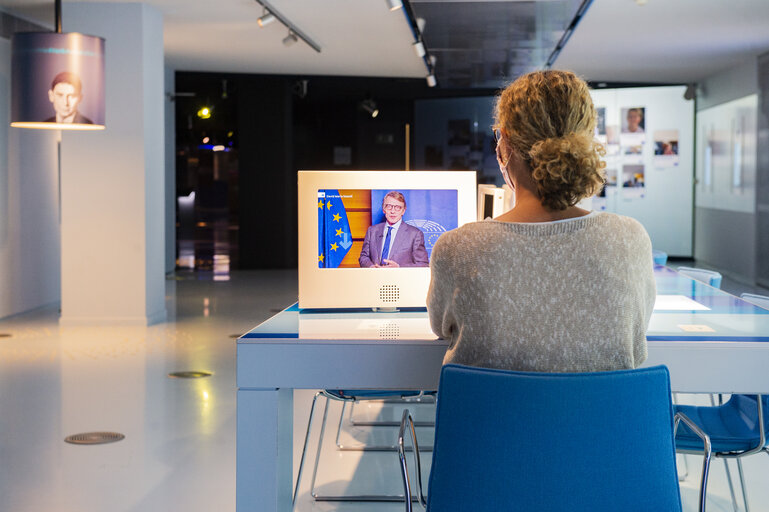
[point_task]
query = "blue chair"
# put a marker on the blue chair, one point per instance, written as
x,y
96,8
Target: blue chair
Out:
x,y
568,441
734,429
659,257
709,277
351,396
762,301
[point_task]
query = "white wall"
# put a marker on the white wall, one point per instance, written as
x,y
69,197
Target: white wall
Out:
x,y
29,209
113,182
725,214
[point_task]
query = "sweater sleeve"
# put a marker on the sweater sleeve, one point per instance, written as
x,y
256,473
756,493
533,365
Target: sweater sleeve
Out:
x,y
440,305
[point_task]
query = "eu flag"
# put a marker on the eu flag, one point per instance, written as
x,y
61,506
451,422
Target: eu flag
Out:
x,y
334,238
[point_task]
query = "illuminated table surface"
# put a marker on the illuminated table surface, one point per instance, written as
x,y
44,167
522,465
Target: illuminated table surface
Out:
x,y
710,341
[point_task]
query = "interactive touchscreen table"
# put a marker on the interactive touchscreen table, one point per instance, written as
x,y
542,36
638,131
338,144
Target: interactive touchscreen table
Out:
x,y
710,341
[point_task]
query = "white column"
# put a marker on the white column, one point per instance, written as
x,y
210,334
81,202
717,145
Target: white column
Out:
x,y
113,182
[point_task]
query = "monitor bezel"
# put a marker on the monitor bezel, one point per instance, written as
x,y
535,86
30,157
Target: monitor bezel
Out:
x,y
350,288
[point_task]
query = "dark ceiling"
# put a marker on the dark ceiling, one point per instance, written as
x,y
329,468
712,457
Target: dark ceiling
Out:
x,y
488,43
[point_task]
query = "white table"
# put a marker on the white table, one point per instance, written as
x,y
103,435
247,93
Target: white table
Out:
x,y
721,348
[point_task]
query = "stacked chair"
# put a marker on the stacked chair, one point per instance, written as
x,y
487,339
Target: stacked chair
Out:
x,y
352,397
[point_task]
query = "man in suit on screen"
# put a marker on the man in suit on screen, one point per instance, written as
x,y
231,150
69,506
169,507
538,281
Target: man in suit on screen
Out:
x,y
393,243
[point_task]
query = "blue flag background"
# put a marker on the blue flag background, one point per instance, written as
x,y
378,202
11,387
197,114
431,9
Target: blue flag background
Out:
x,y
334,238
432,211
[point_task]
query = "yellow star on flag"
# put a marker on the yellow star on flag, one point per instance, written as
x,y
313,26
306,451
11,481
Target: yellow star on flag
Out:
x,y
334,247
320,204
337,217
339,232
328,205
320,258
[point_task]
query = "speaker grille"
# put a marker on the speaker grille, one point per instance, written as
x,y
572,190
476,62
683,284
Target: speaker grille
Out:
x,y
389,293
389,331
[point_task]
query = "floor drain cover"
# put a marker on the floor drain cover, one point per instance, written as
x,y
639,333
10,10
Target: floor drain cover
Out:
x,y
94,438
189,374
5,335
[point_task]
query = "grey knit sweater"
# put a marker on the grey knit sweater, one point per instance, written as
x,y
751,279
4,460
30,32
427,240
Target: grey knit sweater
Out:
x,y
569,296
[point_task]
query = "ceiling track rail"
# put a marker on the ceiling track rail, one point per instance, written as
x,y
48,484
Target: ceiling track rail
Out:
x,y
567,34
293,29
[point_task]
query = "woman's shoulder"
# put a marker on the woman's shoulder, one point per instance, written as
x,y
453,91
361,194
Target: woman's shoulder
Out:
x,y
473,230
469,234
616,221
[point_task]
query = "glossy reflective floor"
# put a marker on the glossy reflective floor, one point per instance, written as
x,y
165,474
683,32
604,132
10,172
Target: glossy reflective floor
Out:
x,y
179,449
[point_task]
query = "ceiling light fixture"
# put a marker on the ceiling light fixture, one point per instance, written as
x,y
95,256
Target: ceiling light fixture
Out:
x,y
369,106
204,113
266,19
419,47
394,5
294,33
290,39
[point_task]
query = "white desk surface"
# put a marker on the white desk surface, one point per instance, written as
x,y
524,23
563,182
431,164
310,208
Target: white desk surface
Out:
x,y
709,340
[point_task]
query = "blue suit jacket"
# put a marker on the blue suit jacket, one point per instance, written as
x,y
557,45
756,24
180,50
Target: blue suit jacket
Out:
x,y
407,250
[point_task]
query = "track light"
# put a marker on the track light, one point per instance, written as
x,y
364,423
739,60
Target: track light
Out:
x,y
419,47
270,14
290,39
394,5
431,82
691,92
369,106
266,19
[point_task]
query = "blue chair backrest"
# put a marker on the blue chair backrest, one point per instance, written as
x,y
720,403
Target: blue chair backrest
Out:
x,y
508,440
659,257
744,407
762,301
709,277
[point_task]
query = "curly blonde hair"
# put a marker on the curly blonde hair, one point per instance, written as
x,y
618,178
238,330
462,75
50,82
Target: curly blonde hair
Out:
x,y
548,118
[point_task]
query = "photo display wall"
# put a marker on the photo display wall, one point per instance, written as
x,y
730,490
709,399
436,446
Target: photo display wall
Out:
x,y
648,133
649,137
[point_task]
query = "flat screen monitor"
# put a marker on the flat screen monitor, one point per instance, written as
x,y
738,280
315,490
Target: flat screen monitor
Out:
x,y
345,258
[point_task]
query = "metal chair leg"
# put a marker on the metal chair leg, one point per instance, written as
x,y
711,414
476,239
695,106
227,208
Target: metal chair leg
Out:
x,y
683,477
742,483
317,497
304,448
731,486
706,449
404,401
381,448
320,445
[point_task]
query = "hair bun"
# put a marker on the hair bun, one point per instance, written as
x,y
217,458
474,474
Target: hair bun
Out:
x,y
566,169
